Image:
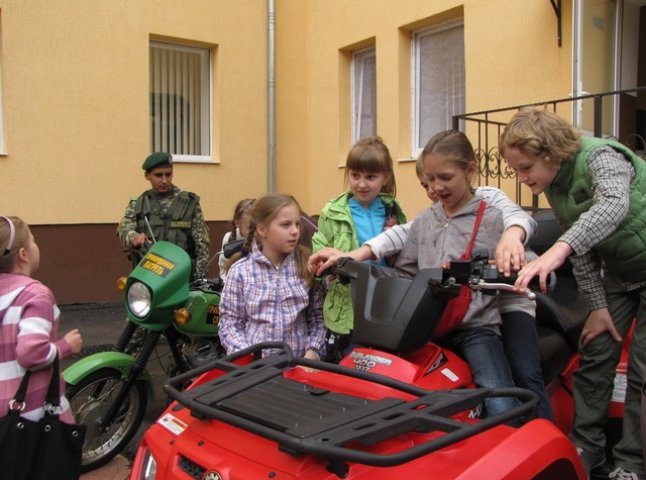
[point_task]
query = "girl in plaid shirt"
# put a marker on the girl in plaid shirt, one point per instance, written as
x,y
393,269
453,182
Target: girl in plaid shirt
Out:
x,y
269,294
29,323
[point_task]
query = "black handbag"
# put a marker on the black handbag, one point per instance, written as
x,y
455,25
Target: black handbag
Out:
x,y
43,449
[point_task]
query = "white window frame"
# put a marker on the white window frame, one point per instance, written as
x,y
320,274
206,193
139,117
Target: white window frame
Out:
x,y
357,85
416,60
206,120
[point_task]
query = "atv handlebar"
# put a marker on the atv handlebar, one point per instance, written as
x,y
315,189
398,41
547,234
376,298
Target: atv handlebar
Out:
x,y
477,274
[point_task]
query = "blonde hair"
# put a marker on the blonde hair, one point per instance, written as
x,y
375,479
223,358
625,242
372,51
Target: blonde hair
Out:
x,y
20,239
243,207
452,144
419,167
541,133
371,154
264,210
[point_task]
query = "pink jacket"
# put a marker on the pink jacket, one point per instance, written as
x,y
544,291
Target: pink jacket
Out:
x,y
29,340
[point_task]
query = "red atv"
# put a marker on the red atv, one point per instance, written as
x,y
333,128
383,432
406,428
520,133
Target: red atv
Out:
x,y
401,408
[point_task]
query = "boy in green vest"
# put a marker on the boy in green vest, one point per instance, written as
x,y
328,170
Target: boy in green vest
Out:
x,y
166,212
597,189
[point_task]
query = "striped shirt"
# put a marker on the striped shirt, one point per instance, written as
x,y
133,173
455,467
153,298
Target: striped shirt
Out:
x,y
262,303
29,340
611,174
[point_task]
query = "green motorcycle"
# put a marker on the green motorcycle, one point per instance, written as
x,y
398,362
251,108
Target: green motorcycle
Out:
x,y
108,391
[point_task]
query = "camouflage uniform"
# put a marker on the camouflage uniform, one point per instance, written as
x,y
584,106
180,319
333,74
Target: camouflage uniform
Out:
x,y
198,236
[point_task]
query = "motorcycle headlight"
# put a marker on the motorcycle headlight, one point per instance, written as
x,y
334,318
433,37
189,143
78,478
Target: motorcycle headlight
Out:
x,y
139,299
148,467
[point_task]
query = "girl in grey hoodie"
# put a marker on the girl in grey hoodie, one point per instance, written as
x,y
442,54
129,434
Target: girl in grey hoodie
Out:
x,y
440,235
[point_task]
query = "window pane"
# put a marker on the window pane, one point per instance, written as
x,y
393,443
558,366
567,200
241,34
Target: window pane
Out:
x,y
179,99
364,94
439,80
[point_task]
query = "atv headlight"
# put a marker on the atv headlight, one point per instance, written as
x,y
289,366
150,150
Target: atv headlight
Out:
x,y
148,467
139,299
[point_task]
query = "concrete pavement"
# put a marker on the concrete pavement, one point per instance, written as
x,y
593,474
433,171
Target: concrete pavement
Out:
x,y
117,469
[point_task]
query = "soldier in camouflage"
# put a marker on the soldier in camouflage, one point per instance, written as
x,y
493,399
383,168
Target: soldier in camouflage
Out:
x,y
172,214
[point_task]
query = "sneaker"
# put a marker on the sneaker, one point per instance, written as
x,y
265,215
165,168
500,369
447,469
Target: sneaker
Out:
x,y
621,474
590,461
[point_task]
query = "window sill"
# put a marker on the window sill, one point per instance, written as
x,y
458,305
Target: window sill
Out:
x,y
194,159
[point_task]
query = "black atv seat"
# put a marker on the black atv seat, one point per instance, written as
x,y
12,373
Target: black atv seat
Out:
x,y
561,313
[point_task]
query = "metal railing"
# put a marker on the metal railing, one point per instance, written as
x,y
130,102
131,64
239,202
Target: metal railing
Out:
x,y
485,127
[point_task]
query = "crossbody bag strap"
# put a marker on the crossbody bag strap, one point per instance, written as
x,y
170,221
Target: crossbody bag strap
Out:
x,y
467,253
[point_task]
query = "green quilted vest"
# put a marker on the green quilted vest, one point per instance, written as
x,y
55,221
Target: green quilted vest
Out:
x,y
570,195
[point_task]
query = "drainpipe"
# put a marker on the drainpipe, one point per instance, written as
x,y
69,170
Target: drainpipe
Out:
x,y
271,95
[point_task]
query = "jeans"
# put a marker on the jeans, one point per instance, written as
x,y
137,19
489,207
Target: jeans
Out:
x,y
520,340
482,348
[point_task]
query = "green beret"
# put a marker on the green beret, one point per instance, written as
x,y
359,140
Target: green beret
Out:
x,y
157,159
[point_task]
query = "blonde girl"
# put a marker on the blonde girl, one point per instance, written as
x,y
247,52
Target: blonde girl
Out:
x,y
239,230
269,294
29,330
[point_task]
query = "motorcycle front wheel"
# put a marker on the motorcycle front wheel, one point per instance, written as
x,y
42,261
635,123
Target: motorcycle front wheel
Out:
x,y
89,400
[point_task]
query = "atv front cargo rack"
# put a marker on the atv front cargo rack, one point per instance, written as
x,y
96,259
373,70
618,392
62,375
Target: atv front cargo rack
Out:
x,y
304,419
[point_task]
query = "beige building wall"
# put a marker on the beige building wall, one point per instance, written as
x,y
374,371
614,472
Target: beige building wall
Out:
x,y
511,57
75,78
75,104
76,123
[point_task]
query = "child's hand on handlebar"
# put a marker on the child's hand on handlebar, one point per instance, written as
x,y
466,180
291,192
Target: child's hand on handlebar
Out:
x,y
323,260
510,251
552,259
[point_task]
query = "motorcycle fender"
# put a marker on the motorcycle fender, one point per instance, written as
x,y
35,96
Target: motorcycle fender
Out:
x,y
122,362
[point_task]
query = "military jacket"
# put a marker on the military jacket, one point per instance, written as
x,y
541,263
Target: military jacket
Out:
x,y
176,218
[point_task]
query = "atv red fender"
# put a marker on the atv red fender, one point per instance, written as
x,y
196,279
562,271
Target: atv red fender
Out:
x,y
267,419
303,429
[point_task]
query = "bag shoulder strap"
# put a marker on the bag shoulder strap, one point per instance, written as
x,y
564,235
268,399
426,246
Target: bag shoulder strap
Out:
x,y
53,396
19,397
481,208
